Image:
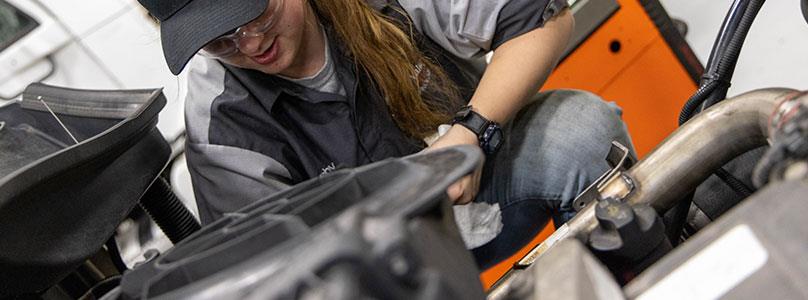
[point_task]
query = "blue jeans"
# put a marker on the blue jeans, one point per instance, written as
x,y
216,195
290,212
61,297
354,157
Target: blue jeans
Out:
x,y
554,148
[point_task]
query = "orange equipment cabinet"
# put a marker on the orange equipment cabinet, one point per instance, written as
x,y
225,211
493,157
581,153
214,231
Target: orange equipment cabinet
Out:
x,y
629,52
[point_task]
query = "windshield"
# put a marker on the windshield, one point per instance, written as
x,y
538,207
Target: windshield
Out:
x,y
14,24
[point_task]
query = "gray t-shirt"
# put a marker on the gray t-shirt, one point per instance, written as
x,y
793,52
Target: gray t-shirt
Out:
x,y
325,80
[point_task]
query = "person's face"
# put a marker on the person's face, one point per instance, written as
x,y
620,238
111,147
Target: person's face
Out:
x,y
283,49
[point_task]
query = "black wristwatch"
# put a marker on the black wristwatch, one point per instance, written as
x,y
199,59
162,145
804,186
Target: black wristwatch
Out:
x,y
488,132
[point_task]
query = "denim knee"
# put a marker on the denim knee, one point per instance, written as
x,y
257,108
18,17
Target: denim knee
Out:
x,y
553,149
586,117
558,144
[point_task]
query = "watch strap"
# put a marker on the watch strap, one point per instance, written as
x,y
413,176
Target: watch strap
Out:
x,y
484,129
474,122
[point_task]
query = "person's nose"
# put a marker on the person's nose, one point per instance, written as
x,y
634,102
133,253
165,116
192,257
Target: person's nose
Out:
x,y
250,45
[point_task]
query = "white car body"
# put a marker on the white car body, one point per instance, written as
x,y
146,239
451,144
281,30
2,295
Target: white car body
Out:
x,y
90,44
94,44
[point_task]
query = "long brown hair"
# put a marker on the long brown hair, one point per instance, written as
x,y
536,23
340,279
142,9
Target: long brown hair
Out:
x,y
385,49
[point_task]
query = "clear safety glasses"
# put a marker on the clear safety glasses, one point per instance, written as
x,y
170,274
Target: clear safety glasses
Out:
x,y
228,44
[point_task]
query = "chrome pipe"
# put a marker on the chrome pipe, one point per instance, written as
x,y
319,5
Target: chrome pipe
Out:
x,y
688,156
681,162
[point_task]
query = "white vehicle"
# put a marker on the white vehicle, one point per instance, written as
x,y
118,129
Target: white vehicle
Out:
x,y
94,44
90,44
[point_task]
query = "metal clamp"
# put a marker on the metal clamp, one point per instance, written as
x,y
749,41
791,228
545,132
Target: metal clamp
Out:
x,y
620,159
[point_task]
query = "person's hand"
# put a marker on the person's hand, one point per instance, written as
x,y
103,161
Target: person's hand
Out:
x,y
464,190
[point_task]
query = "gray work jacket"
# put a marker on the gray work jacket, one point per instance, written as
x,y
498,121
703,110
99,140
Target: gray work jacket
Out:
x,y
251,134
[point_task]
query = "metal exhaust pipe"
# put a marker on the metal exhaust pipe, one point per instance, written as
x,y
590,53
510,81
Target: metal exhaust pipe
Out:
x,y
688,156
681,162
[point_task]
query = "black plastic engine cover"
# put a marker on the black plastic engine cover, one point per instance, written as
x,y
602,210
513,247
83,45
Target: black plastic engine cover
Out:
x,y
60,201
384,230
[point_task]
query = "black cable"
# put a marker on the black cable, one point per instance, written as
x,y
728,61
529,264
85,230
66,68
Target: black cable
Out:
x,y
721,67
733,182
726,66
725,55
713,89
695,101
115,255
676,223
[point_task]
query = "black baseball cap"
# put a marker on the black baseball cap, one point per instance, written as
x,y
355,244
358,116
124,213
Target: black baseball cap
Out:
x,y
187,25
805,9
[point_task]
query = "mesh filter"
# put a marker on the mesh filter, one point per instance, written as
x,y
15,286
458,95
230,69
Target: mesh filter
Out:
x,y
23,144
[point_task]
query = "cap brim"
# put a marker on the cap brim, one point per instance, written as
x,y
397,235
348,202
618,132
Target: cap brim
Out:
x,y
201,21
805,9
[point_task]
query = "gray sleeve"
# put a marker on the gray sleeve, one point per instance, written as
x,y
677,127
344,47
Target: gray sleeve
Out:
x,y
224,178
469,28
227,178
205,83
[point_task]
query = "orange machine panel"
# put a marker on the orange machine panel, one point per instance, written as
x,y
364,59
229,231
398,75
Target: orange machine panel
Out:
x,y
629,50
651,91
626,60
593,65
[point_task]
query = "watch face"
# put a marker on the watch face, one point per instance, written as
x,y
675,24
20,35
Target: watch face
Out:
x,y
491,139
496,138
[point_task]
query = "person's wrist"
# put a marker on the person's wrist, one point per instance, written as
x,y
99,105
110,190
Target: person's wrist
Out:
x,y
488,133
466,135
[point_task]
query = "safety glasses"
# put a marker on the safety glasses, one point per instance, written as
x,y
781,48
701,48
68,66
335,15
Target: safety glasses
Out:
x,y
228,45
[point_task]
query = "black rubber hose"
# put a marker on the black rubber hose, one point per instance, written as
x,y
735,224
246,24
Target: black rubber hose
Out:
x,y
168,212
726,66
729,26
678,219
115,255
695,101
713,88
729,31
733,182
716,83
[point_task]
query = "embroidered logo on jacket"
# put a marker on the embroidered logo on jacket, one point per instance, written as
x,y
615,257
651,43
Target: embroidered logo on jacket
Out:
x,y
328,169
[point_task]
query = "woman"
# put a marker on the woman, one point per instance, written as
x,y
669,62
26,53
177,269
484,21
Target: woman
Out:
x,y
286,90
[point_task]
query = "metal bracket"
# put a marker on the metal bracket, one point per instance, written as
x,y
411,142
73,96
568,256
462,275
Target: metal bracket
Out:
x,y
620,159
